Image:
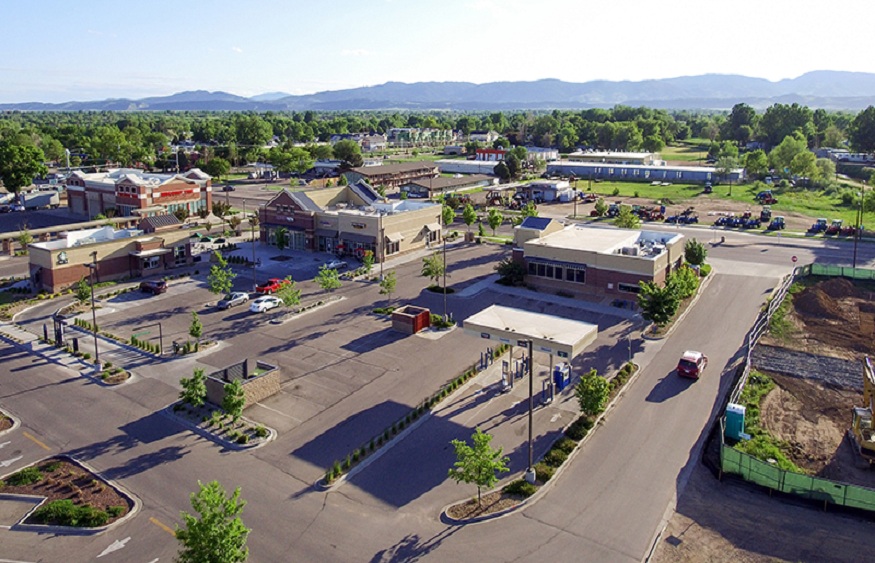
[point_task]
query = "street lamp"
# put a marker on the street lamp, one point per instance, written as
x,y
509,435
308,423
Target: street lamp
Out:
x,y
252,231
858,231
444,240
91,271
530,471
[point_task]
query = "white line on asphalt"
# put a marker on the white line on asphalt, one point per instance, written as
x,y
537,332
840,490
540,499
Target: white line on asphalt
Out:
x,y
278,412
13,560
4,443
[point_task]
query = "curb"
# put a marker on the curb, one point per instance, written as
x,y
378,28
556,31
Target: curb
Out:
x,y
677,321
15,422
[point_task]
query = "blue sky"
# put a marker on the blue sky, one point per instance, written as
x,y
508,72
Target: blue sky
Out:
x,y
57,51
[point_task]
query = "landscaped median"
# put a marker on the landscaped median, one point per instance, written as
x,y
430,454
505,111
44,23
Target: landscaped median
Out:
x,y
595,395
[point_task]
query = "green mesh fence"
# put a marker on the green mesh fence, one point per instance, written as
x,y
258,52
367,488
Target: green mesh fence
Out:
x,y
837,271
814,488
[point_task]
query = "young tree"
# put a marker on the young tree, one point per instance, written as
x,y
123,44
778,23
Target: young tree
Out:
x,y
196,329
511,272
234,399
592,393
328,278
601,207
83,291
289,293
281,236
194,388
530,210
388,284
695,252
495,219
478,464
448,215
368,261
469,215
234,223
433,267
221,277
24,239
684,282
217,533
658,303
626,219
181,214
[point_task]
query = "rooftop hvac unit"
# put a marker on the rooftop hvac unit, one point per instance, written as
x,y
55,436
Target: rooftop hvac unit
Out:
x,y
630,251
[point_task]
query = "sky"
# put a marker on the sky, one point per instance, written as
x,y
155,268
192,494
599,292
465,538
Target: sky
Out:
x,y
57,51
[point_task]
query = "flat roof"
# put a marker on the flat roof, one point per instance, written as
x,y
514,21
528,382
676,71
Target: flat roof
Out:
x,y
603,240
584,164
613,154
551,334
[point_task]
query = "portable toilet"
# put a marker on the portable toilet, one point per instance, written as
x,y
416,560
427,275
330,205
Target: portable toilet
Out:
x,y
561,376
735,421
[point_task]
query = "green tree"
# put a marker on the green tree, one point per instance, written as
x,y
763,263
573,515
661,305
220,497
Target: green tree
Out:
x,y
288,293
281,236
194,388
514,165
447,215
83,291
388,284
683,282
756,163
24,239
804,164
724,167
234,399
826,171
368,261
625,219
695,252
19,165
433,268
601,207
501,170
349,152
530,210
592,393
196,329
658,303
861,132
221,277
469,216
511,272
328,278
478,464
495,219
217,534
217,166
740,124
781,157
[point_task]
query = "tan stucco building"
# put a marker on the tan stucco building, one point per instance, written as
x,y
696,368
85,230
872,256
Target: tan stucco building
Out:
x,y
595,261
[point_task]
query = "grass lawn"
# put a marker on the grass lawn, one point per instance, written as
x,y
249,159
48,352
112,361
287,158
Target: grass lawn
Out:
x,y
676,192
685,152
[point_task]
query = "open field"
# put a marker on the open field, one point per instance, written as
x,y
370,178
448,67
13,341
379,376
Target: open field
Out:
x,y
687,152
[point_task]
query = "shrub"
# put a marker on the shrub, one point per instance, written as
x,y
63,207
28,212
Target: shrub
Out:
x,y
616,192
566,445
543,472
50,467
65,513
27,476
578,429
520,487
115,511
555,458
355,456
261,431
242,438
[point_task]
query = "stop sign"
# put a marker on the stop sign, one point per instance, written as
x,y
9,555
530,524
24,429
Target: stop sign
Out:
x,y
794,259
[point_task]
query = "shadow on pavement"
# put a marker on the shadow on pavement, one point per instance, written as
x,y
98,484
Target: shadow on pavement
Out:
x,y
412,547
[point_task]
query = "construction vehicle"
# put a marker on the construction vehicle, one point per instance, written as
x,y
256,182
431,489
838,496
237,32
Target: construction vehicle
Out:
x,y
614,209
819,226
835,228
848,231
766,197
766,214
494,198
777,224
686,217
861,433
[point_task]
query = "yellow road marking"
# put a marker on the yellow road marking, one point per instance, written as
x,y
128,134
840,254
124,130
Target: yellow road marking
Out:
x,y
37,442
162,525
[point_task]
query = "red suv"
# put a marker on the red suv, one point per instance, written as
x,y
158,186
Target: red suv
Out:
x,y
691,364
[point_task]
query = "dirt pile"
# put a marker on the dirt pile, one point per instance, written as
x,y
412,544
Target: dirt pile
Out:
x,y
835,315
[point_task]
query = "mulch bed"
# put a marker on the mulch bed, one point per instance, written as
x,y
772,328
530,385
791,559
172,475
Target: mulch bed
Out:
x,y
69,480
5,422
491,504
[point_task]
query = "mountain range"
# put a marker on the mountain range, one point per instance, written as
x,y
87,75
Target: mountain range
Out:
x,y
832,90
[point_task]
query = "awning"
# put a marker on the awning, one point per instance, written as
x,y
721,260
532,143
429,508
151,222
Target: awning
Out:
x,y
433,227
355,237
394,237
153,252
326,233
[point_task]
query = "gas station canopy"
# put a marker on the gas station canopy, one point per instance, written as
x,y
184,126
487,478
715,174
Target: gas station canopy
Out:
x,y
550,334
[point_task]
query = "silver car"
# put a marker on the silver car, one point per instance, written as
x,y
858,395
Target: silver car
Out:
x,y
232,299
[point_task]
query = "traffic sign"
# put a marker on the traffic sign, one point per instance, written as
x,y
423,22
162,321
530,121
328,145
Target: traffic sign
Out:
x,y
794,259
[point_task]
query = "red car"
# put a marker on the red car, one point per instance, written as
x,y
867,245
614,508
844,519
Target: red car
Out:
x,y
691,364
270,286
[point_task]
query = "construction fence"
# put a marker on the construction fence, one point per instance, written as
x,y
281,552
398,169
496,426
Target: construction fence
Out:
x,y
835,271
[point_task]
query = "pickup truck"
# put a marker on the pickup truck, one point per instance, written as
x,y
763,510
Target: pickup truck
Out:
x,y
270,286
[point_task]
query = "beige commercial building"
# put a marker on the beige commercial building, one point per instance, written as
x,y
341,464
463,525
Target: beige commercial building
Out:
x,y
594,261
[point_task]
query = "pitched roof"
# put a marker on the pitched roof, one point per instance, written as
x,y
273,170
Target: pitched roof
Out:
x,y
395,168
366,192
152,224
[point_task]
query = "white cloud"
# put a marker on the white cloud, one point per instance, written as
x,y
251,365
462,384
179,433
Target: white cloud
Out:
x,y
237,49
355,53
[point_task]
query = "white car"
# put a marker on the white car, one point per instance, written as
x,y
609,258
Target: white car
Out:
x,y
335,265
265,303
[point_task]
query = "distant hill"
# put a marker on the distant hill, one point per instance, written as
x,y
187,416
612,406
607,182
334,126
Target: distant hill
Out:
x,y
834,90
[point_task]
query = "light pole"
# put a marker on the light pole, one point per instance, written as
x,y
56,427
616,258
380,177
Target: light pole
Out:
x,y
382,243
530,472
91,271
252,231
444,240
858,231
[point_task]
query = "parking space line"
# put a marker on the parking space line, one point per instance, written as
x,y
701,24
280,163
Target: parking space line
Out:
x,y
37,442
278,412
162,525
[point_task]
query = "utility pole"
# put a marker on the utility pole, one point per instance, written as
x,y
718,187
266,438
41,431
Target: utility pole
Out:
x,y
530,471
92,268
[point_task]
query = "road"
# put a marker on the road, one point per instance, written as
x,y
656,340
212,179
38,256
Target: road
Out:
x,y
607,505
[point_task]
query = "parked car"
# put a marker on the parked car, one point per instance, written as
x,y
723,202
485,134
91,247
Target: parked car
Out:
x,y
335,265
233,299
228,188
153,287
270,286
219,241
692,364
265,303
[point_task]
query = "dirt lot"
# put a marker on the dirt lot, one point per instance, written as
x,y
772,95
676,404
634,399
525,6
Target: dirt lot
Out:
x,y
834,318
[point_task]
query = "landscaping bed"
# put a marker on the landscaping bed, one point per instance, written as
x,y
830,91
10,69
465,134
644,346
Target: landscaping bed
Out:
x,y
74,495
215,422
5,422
